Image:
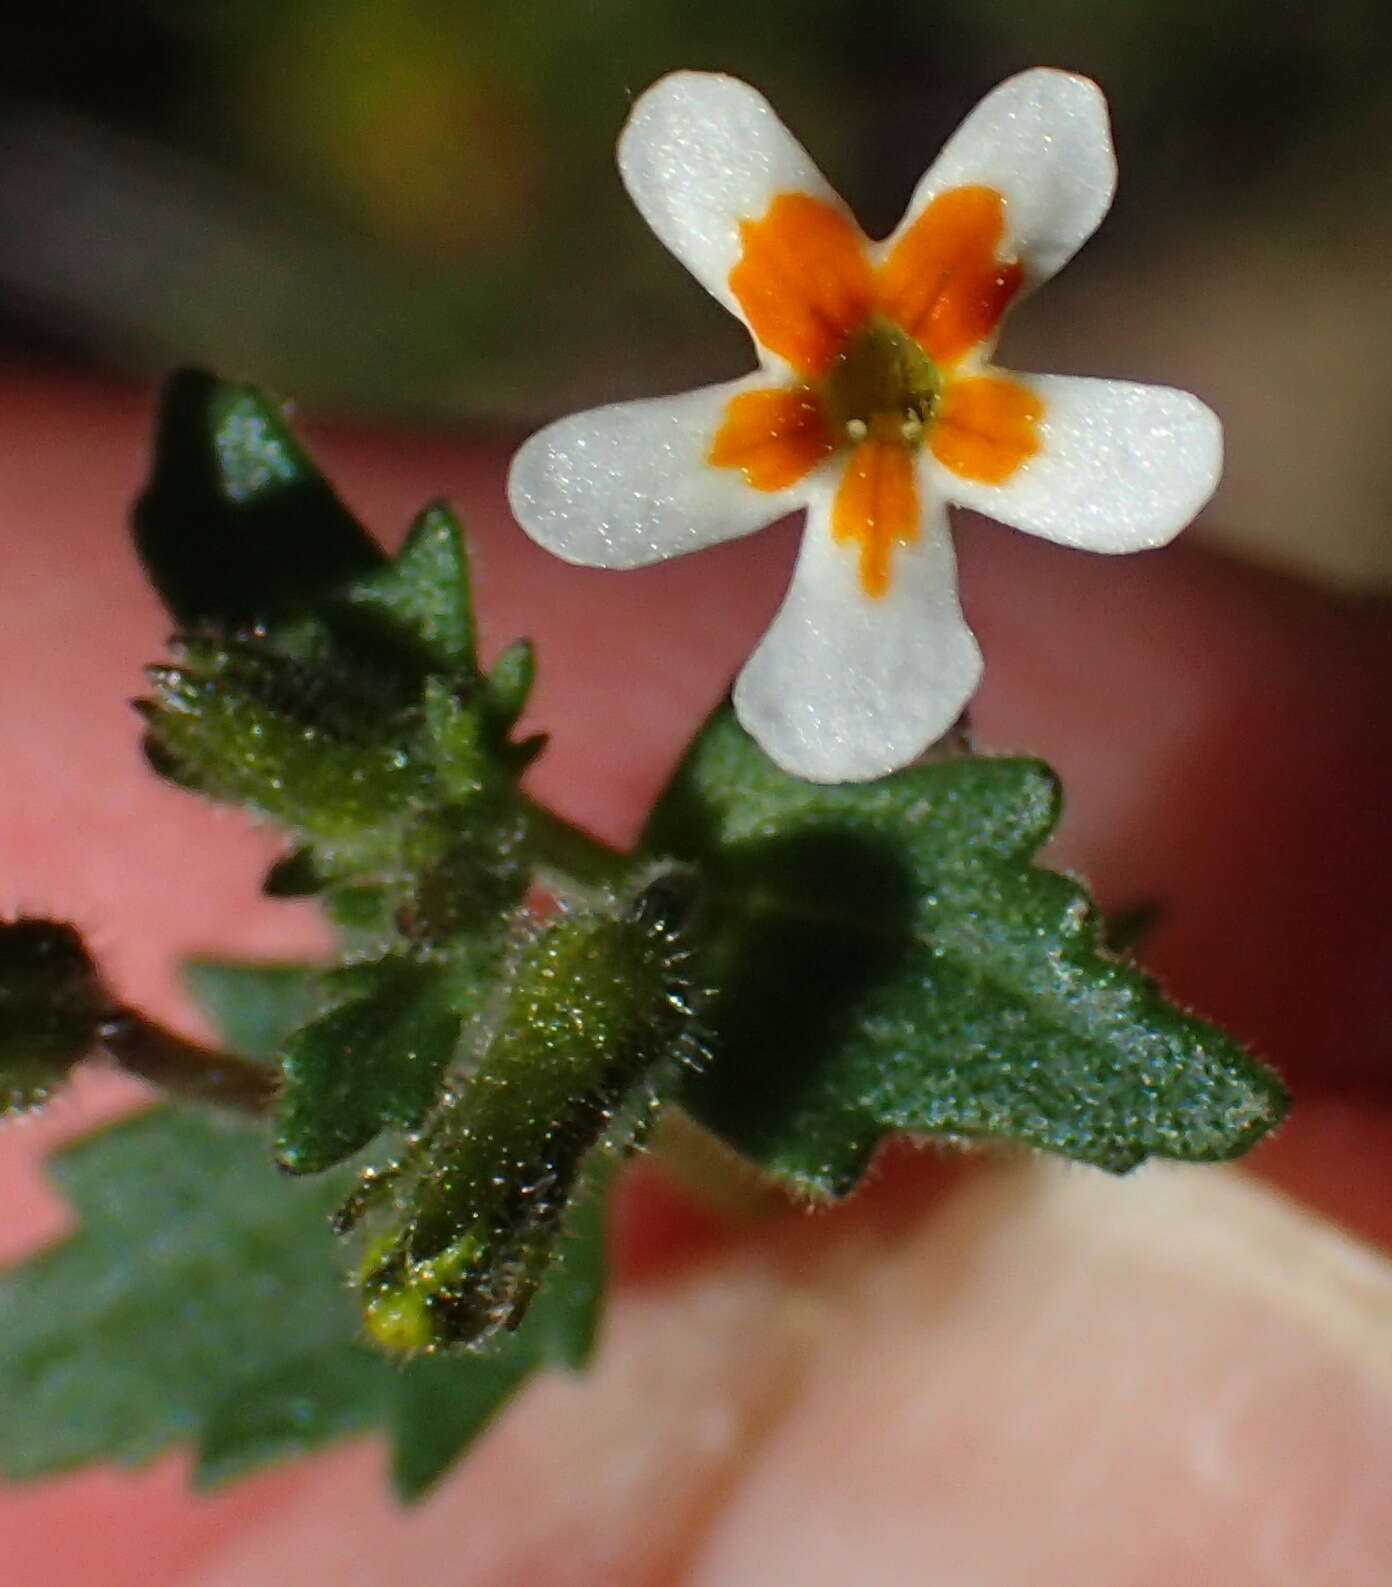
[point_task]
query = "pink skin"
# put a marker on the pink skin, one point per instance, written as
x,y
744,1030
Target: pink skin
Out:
x,y
989,1376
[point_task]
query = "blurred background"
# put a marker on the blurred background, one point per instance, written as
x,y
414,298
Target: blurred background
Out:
x,y
409,211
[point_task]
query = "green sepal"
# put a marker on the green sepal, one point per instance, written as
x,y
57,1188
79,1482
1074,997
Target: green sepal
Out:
x,y
365,913
354,717
202,1299
236,527
885,957
361,913
373,1060
511,680
457,739
51,1009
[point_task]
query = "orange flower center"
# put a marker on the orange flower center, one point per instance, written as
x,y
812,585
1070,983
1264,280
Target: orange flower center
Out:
x,y
876,354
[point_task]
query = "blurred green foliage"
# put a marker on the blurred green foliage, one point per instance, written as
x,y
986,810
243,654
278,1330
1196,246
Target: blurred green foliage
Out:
x,y
413,208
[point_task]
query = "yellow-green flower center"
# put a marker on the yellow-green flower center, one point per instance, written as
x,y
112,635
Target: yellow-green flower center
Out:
x,y
884,387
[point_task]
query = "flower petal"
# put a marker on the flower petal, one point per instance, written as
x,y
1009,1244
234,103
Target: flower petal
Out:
x,y
629,484
944,280
703,152
1041,140
876,508
845,687
1120,467
986,426
773,434
803,281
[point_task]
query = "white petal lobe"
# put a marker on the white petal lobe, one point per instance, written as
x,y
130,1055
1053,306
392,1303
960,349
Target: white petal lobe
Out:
x,y
844,688
700,153
1123,467
629,484
1042,140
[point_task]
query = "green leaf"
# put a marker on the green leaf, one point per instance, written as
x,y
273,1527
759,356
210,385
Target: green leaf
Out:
x,y
293,1408
885,957
373,1060
202,1299
236,526
354,717
196,1271
421,600
254,1005
51,1009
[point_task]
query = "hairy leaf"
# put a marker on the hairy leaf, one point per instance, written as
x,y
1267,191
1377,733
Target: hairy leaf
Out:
x,y
202,1299
885,957
371,1060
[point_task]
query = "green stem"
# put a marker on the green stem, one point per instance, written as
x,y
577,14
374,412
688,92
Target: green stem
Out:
x,y
577,862
183,1068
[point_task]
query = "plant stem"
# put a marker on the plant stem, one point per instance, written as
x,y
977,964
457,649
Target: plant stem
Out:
x,y
183,1068
578,862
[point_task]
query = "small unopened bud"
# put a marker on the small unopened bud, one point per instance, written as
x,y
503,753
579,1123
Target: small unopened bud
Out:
x,y
244,722
599,1007
51,1009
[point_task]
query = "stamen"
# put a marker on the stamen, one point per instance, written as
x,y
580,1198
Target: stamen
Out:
x,y
881,388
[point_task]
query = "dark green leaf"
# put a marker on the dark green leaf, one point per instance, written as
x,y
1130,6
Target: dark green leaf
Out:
x,y
294,1407
371,1061
202,1299
236,525
51,1008
440,1410
196,1271
885,957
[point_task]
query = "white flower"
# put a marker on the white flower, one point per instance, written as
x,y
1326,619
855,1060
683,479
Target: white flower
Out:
x,y
875,406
